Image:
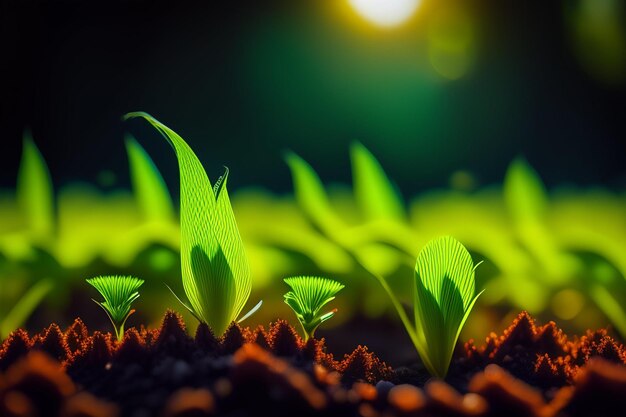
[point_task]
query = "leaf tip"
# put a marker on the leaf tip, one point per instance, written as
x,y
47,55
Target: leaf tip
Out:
x,y
136,114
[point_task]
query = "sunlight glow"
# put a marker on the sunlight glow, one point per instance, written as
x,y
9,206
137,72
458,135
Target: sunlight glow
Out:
x,y
385,13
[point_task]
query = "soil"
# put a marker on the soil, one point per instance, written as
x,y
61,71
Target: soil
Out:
x,y
529,370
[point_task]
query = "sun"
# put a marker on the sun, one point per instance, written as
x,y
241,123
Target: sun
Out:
x,y
385,13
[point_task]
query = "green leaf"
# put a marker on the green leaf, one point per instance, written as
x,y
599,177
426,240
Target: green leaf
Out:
x,y
119,293
35,194
307,297
444,297
374,193
215,269
251,312
149,188
610,306
528,202
232,245
311,196
25,306
524,192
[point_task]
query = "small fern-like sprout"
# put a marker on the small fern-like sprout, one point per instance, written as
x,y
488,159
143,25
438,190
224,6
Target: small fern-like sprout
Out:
x,y
119,293
307,297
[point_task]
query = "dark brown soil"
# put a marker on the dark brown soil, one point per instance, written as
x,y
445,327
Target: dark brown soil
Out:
x,y
530,370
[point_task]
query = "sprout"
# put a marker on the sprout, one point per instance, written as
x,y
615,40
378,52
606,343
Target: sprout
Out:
x,y
444,297
307,297
119,292
215,269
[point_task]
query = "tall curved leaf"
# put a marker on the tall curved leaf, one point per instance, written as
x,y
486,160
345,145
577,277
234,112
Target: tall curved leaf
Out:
x,y
215,269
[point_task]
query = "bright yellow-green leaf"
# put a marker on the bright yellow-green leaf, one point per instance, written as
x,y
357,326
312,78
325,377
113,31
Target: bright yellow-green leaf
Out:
x,y
528,202
524,192
215,269
375,194
35,194
312,197
444,297
149,188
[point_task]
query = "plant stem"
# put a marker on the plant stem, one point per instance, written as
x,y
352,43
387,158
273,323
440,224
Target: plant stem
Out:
x,y
394,300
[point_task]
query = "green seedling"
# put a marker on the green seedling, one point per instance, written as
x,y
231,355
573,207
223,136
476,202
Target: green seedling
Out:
x,y
444,298
119,293
444,288
215,269
307,297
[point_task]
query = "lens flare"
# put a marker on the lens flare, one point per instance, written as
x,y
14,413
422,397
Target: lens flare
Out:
x,y
385,13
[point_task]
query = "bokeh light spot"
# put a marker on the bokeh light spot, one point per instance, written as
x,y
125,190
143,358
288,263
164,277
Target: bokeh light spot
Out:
x,y
452,43
462,180
162,259
567,304
599,38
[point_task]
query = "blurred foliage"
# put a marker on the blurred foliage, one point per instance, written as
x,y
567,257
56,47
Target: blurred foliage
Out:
x,y
561,254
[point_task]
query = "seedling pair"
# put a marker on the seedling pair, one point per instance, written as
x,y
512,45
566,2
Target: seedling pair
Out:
x,y
444,282
444,295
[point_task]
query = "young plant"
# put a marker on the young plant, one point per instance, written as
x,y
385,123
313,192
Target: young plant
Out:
x,y
444,298
119,292
215,270
307,297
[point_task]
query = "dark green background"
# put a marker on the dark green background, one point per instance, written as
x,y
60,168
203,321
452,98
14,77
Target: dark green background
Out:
x,y
243,82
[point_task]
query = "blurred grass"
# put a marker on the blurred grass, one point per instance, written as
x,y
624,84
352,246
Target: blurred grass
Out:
x,y
560,254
